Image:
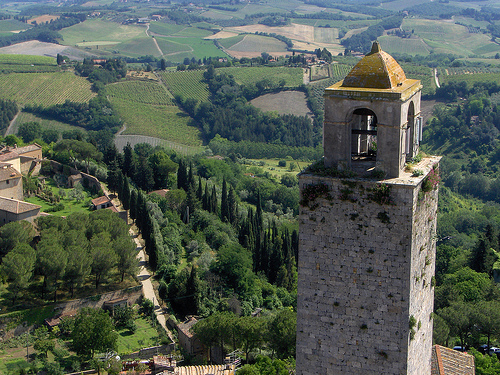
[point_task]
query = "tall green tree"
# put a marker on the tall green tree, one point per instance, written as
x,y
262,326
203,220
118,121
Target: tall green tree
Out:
x,y
126,252
18,265
93,332
104,257
282,333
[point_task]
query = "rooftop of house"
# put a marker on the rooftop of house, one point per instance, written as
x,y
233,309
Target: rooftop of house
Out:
x,y
185,326
446,361
161,192
100,200
28,148
16,206
8,172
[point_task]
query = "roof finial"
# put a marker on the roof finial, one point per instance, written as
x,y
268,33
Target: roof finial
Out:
x,y
375,48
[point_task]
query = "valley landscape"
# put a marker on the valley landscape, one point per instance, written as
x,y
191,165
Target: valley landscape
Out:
x,y
197,117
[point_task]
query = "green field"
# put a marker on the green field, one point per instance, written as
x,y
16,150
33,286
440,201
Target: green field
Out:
x,y
393,44
193,32
135,47
247,75
446,37
147,92
45,88
188,84
259,43
165,29
160,121
45,124
13,25
93,30
191,47
423,73
325,35
229,42
27,64
170,47
145,336
471,78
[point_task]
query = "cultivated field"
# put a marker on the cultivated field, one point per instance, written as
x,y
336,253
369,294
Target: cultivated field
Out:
x,y
45,88
122,140
250,75
135,47
189,46
447,37
98,30
27,64
160,121
164,29
471,77
147,92
393,44
188,84
12,25
45,124
36,48
253,45
284,103
42,19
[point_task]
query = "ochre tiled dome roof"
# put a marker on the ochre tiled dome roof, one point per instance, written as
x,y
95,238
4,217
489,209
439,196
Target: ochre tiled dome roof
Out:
x,y
377,70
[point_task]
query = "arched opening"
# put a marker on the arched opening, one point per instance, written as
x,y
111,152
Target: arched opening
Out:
x,y
363,135
410,136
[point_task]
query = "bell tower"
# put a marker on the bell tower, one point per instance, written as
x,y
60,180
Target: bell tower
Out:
x,y
367,228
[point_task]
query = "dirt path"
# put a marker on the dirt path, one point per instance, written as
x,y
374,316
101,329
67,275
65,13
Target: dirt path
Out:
x,y
147,287
144,276
305,77
9,129
436,78
154,40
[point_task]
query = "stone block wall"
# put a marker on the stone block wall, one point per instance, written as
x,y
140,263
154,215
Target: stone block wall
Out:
x,y
366,259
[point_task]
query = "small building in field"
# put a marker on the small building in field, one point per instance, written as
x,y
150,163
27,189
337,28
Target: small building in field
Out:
x,y
113,304
102,203
74,180
188,340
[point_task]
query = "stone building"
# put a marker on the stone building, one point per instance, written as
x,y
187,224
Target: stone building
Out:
x,y
367,231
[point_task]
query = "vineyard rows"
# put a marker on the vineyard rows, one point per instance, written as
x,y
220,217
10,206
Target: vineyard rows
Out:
x,y
146,92
45,88
122,140
160,121
423,73
251,75
27,60
471,78
468,70
188,84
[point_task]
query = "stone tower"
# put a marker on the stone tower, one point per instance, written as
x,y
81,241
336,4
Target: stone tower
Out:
x,y
367,231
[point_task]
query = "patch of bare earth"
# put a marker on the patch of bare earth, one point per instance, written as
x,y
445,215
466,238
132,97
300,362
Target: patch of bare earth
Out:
x,y
42,19
222,35
36,48
285,103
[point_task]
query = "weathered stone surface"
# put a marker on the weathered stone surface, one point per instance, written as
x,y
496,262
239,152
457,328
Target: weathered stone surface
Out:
x,y
365,269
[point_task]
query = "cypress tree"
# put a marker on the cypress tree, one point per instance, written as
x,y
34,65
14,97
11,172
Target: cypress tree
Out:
x,y
125,193
190,178
199,191
133,204
182,175
224,208
232,206
128,161
213,201
206,199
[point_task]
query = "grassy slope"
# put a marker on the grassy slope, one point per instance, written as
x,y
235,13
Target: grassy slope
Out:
x,y
145,336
